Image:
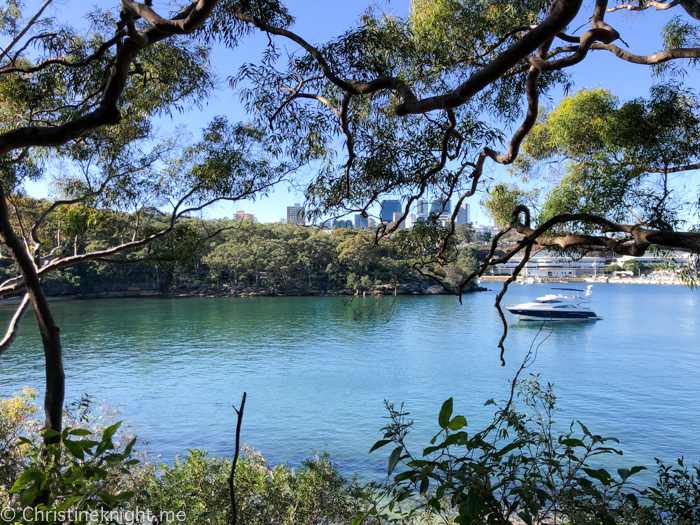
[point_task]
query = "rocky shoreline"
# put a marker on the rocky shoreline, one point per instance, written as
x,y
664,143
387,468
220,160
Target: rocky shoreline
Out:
x,y
135,292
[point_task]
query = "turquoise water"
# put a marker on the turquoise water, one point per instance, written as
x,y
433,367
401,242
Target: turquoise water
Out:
x,y
316,378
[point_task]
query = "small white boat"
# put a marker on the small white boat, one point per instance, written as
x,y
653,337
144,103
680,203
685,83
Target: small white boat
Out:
x,y
557,307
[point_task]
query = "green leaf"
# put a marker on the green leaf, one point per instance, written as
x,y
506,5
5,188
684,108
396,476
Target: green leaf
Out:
x,y
445,413
110,431
404,495
600,474
129,447
29,475
379,444
394,459
572,442
458,422
525,516
424,485
80,432
75,449
584,428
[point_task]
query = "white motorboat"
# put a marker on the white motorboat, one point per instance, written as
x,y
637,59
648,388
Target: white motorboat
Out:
x,y
557,307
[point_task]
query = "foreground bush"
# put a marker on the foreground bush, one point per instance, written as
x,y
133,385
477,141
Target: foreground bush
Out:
x,y
198,485
519,469
95,468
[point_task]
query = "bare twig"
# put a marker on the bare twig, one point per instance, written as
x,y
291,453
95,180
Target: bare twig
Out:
x,y
239,414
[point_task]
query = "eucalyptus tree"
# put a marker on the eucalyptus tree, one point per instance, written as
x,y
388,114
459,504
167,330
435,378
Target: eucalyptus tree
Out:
x,y
420,105
77,110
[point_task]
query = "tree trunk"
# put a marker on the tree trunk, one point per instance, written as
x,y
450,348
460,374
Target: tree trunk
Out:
x,y
50,334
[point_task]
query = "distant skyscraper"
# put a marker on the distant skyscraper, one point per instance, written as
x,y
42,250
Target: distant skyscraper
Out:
x,y
436,206
389,208
361,222
410,221
463,214
295,214
422,207
397,217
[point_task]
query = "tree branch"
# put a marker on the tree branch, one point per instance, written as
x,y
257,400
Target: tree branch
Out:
x,y
562,13
19,36
239,421
13,328
660,6
107,112
650,60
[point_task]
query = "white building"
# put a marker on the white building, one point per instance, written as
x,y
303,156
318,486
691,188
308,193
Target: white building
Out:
x,y
463,214
545,264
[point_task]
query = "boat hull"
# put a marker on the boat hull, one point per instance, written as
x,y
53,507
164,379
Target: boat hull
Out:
x,y
546,315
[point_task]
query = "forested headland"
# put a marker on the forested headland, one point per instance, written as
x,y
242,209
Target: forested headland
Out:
x,y
239,257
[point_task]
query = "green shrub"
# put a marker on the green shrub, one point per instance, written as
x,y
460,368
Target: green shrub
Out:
x,y
198,486
519,468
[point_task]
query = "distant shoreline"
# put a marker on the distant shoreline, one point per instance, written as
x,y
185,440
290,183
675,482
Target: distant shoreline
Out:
x,y
558,280
155,294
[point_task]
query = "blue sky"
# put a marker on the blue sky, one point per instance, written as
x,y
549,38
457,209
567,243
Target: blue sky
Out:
x,y
319,21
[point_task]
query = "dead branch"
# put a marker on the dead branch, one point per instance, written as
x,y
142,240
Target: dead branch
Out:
x,y
232,492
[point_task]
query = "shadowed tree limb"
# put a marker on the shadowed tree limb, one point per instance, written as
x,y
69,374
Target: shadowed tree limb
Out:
x,y
232,492
649,60
50,335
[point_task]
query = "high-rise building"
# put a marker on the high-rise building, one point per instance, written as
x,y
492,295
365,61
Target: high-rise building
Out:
x,y
410,221
398,217
295,214
389,207
463,214
361,222
436,206
422,207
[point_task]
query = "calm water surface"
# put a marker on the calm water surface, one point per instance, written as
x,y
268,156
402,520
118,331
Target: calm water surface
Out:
x,y
316,378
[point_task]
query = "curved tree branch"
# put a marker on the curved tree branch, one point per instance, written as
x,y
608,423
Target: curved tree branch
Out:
x,y
660,6
650,60
107,112
13,328
562,13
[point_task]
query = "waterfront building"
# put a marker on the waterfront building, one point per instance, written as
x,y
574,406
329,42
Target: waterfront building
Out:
x,y
672,258
389,207
546,264
411,220
445,218
295,214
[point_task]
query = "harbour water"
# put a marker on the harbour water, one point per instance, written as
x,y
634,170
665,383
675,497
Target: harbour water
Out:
x,y
316,377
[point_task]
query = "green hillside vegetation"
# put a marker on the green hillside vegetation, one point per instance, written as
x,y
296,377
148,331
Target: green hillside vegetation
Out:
x,y
243,257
